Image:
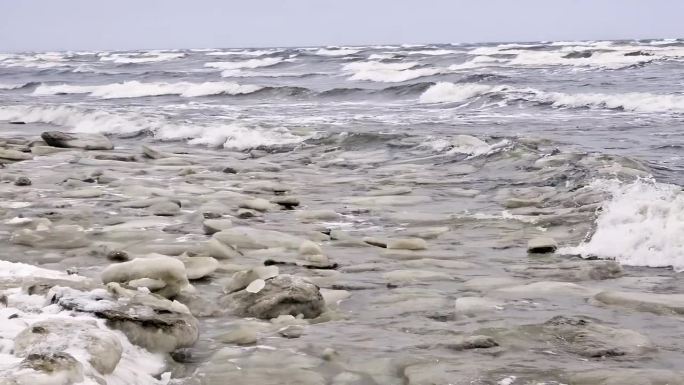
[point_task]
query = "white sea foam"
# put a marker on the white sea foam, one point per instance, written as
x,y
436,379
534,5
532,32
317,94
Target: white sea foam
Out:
x,y
641,225
387,72
234,68
135,89
141,57
242,53
229,135
445,92
136,367
336,51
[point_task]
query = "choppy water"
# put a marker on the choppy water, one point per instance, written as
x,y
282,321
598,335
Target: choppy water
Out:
x,y
582,141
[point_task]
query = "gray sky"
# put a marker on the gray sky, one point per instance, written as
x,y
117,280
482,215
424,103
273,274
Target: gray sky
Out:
x,y
127,24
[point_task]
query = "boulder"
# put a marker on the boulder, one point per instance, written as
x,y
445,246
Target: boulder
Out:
x,y
58,335
148,320
542,245
13,155
157,267
199,267
212,226
281,295
22,181
77,140
51,237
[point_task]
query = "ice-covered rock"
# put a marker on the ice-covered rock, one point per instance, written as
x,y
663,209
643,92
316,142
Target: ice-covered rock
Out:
x,y
157,267
243,237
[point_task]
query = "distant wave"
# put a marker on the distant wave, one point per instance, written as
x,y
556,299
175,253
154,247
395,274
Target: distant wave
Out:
x,y
229,135
387,72
445,92
16,86
336,51
235,68
142,57
136,89
243,53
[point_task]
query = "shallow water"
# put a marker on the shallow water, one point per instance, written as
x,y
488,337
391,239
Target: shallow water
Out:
x,y
368,132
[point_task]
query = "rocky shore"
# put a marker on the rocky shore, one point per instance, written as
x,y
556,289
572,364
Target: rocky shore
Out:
x,y
131,261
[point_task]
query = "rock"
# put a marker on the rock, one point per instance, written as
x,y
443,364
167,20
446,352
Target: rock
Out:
x,y
666,304
542,245
152,153
212,226
51,237
627,376
118,256
287,201
219,250
242,237
258,204
590,339
317,215
471,342
242,279
165,209
247,213
158,267
199,267
426,232
407,244
283,294
240,336
148,320
83,193
310,248
292,331
116,157
13,155
22,181
377,242
77,140
58,335
47,368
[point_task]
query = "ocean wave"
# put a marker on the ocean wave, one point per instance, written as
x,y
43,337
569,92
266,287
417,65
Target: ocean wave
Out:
x,y
231,67
243,53
336,51
141,57
445,92
388,72
228,135
16,86
136,89
641,225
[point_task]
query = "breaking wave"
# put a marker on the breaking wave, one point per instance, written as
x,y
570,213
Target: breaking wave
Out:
x,y
229,135
641,225
388,72
136,89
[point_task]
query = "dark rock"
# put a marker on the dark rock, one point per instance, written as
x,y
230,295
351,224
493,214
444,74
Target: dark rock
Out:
x,y
282,295
22,181
118,256
578,55
82,141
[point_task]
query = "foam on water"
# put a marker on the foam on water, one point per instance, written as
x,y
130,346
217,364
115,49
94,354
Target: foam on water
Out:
x,y
445,92
641,225
387,72
228,135
251,63
142,57
136,89
136,367
336,51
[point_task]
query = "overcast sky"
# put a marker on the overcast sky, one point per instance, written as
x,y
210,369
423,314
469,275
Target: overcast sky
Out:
x,y
127,24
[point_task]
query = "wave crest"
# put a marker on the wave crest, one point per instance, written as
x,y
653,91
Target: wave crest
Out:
x,y
136,89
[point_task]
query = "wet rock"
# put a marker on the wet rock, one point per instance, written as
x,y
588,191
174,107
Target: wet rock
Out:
x,y
148,320
199,267
242,335
471,342
590,339
58,335
47,368
243,278
407,244
310,248
165,209
258,204
51,237
167,269
247,213
627,376
284,294
22,181
542,245
219,250
77,140
212,226
7,154
83,193
292,331
287,201
242,237
317,215
153,153
665,304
